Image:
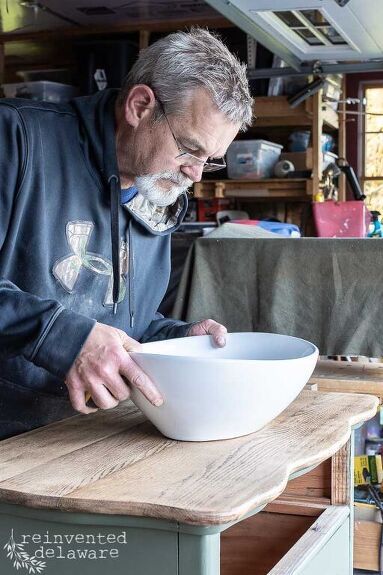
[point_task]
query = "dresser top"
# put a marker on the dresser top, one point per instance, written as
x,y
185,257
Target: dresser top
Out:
x,y
116,462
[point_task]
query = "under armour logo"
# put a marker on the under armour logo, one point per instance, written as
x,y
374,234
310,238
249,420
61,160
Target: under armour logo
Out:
x,y
67,269
100,78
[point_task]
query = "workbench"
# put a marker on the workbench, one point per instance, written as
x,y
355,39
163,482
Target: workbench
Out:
x,y
107,493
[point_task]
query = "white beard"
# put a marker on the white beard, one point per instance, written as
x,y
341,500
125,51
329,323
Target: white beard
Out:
x,y
147,186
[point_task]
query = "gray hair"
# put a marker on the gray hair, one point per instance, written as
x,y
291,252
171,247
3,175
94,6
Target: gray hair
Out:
x,y
181,62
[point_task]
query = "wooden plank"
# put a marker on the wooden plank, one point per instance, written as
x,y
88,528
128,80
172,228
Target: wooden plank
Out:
x,y
275,110
348,376
139,472
355,370
330,118
53,441
366,545
293,121
264,188
165,25
316,133
314,484
350,386
340,476
144,39
298,505
278,107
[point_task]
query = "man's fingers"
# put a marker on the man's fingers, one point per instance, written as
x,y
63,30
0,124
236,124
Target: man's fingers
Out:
x,y
140,380
99,369
102,397
218,332
78,400
128,343
117,387
213,328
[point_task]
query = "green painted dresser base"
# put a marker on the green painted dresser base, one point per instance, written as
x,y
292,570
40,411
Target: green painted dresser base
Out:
x,y
62,543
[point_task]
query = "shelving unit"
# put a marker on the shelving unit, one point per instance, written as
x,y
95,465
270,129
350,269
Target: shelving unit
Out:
x,y
365,378
297,188
275,111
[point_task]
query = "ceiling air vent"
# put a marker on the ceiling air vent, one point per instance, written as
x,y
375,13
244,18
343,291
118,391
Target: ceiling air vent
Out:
x,y
95,10
312,27
311,30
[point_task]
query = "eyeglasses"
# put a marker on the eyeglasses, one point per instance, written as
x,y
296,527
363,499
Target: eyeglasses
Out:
x,y
208,165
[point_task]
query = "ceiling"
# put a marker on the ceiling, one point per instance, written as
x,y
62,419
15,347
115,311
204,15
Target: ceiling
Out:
x,y
30,16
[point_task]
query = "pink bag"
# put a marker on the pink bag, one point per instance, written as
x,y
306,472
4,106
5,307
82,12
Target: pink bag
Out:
x,y
341,219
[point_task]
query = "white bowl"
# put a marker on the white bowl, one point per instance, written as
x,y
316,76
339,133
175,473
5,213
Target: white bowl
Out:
x,y
218,393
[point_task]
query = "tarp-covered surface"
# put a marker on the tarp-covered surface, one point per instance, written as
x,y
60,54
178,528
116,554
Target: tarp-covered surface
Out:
x,y
328,291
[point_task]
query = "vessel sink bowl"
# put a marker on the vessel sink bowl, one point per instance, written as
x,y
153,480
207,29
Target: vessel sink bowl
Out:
x,y
215,393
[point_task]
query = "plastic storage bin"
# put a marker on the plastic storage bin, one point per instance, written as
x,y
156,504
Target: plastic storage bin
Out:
x,y
41,90
252,159
287,230
299,141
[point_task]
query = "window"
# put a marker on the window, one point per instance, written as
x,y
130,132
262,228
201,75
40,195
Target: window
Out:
x,y
372,146
312,27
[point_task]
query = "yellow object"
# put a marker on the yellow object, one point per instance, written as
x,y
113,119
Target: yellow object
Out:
x,y
318,197
368,469
379,468
361,470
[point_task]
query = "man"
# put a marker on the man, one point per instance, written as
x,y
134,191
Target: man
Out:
x,y
90,192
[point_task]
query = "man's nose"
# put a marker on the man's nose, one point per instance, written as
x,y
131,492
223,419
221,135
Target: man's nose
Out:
x,y
194,173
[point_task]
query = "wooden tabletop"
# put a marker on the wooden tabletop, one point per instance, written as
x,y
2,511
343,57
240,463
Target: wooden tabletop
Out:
x,y
116,462
349,376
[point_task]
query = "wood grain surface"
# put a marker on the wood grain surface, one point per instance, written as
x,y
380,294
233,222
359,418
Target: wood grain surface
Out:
x,y
116,462
348,376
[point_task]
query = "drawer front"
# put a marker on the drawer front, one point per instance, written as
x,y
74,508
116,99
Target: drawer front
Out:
x,y
289,544
333,558
324,548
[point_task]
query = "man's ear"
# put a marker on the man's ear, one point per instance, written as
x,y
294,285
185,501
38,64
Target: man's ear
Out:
x,y
139,104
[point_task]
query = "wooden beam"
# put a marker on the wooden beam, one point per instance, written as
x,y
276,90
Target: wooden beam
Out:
x,y
292,505
144,39
150,25
316,133
268,188
340,476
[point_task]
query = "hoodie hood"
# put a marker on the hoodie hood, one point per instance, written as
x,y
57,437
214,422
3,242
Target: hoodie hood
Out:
x,y
96,114
98,132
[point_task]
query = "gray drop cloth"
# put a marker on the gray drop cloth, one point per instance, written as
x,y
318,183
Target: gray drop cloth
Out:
x,y
328,291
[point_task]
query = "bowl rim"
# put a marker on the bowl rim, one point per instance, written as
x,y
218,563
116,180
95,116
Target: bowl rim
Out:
x,y
315,351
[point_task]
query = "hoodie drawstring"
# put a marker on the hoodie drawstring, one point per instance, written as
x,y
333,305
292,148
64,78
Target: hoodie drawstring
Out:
x,y
131,277
115,236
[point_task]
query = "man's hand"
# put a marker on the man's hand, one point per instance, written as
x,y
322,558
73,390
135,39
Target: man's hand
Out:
x,y
210,327
100,367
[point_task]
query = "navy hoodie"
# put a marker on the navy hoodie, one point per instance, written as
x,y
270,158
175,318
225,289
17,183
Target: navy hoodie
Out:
x,y
64,237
